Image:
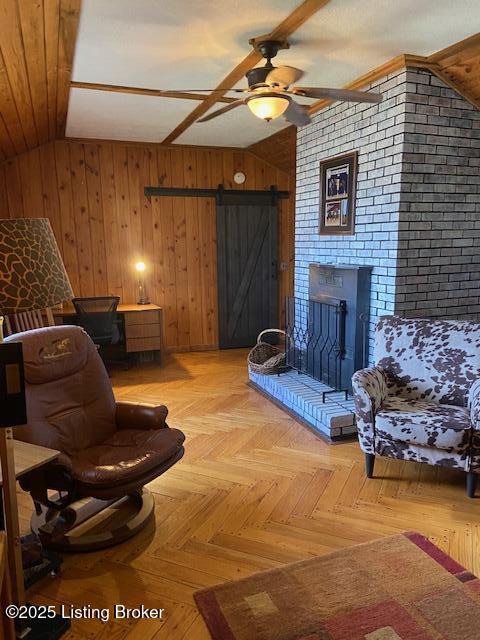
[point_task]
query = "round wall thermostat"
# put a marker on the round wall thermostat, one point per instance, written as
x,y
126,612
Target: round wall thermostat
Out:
x,y
239,177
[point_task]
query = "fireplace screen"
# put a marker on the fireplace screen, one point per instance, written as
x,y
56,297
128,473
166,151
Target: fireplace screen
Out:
x,y
315,338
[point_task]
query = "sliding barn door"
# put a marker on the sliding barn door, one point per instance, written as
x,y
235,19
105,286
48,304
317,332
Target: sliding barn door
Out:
x,y
247,271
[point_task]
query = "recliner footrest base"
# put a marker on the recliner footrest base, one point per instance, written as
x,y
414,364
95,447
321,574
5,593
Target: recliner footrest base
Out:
x,y
104,527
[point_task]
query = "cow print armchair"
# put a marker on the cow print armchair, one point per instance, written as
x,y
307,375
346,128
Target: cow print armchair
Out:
x,y
421,401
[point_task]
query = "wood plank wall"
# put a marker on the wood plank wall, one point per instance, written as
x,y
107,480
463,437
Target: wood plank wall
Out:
x,y
279,148
37,42
93,195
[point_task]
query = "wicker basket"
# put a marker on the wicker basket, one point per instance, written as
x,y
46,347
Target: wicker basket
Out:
x,y
266,358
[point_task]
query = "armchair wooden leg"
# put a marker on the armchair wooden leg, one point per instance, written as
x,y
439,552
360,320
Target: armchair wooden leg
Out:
x,y
369,464
472,481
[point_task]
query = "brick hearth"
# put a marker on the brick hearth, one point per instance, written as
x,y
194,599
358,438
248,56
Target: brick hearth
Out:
x,y
302,395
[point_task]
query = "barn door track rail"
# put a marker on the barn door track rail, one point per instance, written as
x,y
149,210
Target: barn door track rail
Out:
x,y
221,194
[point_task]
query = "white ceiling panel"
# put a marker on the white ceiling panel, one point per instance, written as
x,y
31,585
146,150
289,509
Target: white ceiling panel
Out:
x,y
348,38
169,44
236,128
194,44
120,116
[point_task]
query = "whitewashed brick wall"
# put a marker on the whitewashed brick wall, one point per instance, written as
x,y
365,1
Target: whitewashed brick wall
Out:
x,y
376,132
439,234
417,219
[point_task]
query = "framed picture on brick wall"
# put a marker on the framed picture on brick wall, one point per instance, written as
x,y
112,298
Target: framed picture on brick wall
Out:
x,y
338,179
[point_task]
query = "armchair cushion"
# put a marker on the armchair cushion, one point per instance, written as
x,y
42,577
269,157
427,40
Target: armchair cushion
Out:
x,y
418,453
423,423
70,402
369,392
126,456
129,415
436,360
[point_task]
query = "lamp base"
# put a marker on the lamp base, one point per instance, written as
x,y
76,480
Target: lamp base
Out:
x,y
142,293
35,629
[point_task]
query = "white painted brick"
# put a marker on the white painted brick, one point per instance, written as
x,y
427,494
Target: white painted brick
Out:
x,y
412,203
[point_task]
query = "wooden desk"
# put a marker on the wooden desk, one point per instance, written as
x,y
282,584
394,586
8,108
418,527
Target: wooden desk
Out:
x,y
143,325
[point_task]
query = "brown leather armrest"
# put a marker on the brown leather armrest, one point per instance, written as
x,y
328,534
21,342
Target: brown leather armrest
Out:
x,y
130,415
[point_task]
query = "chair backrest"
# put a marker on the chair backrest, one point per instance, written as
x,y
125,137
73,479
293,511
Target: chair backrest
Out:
x,y
70,403
26,320
97,315
429,359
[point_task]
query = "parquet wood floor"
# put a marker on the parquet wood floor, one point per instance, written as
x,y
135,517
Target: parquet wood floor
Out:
x,y
254,490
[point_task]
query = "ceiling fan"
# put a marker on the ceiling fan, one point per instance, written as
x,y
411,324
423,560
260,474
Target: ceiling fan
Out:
x,y
271,91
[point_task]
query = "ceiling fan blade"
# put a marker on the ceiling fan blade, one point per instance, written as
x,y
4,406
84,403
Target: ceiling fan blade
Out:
x,y
284,76
222,91
219,112
344,95
297,114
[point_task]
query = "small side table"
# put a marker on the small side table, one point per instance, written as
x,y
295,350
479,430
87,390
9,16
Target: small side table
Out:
x,y
27,458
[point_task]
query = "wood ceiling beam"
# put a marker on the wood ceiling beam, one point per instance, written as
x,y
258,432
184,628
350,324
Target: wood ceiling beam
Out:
x,y
141,91
138,143
288,26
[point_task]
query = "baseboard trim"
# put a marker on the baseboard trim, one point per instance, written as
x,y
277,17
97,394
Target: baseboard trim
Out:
x,y
192,347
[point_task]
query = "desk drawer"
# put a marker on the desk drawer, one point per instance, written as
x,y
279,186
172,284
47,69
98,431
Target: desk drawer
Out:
x,y
143,331
153,343
141,317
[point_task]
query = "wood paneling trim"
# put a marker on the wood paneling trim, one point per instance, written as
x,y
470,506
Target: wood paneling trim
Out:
x,y
292,22
93,195
134,143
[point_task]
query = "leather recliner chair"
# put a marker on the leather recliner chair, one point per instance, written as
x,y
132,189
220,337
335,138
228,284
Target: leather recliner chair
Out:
x,y
108,449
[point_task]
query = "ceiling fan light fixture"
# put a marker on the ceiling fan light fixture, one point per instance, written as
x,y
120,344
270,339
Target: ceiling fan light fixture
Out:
x,y
268,106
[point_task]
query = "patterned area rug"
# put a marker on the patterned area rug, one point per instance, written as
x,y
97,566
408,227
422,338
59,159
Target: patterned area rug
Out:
x,y
398,588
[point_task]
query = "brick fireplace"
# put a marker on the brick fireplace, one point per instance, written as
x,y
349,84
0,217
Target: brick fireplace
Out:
x,y
417,213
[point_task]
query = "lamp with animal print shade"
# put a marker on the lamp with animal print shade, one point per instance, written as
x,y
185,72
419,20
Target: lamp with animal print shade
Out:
x,y
32,273
32,279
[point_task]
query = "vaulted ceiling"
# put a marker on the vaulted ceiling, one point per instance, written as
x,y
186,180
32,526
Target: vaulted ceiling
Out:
x,y
197,44
37,41
125,52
